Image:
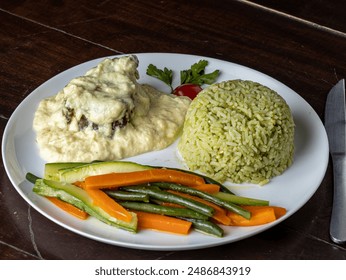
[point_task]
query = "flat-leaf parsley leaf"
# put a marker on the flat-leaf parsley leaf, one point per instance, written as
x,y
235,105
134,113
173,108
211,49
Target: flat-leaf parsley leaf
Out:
x,y
165,75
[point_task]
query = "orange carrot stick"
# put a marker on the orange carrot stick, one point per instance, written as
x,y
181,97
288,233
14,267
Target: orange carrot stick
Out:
x,y
114,180
69,208
209,188
259,215
279,211
221,218
109,205
162,223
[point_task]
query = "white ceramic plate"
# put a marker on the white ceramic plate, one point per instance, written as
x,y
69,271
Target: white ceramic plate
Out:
x,y
291,190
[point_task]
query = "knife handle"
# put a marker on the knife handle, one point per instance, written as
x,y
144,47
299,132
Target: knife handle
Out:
x,y
338,219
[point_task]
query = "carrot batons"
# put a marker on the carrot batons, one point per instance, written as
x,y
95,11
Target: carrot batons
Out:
x,y
259,215
69,208
208,188
114,180
109,205
162,223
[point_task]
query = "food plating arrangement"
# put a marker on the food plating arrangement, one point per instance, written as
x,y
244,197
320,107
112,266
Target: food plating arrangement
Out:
x,y
237,131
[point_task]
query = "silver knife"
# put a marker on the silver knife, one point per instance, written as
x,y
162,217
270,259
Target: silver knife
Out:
x,y
335,124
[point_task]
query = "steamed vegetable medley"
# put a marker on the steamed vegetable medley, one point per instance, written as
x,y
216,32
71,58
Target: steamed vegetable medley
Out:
x,y
131,196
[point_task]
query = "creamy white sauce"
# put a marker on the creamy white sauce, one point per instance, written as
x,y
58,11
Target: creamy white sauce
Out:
x,y
107,115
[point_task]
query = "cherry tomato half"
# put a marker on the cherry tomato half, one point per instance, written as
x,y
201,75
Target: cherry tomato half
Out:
x,y
189,90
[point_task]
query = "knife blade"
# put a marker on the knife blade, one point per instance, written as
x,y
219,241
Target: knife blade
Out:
x,y
335,124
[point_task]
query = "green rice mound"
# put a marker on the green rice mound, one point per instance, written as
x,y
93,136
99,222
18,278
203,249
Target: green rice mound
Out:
x,y
239,131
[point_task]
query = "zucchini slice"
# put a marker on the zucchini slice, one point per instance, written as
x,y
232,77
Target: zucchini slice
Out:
x,y
74,172
79,198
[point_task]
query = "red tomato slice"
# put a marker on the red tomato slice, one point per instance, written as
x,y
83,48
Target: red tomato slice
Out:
x,y
189,90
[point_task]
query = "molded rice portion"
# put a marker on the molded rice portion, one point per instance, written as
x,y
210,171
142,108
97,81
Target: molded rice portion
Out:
x,y
239,131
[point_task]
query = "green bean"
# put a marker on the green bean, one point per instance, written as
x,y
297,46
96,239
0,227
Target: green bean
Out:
x,y
225,204
163,210
156,193
241,200
128,196
31,177
206,227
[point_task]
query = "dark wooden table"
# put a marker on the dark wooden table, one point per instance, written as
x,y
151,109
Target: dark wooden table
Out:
x,y
300,43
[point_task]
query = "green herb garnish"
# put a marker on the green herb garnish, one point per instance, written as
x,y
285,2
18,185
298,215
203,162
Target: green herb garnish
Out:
x,y
165,75
195,75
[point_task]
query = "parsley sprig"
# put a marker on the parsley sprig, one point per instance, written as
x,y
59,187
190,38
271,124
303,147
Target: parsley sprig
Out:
x,y
195,75
165,75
